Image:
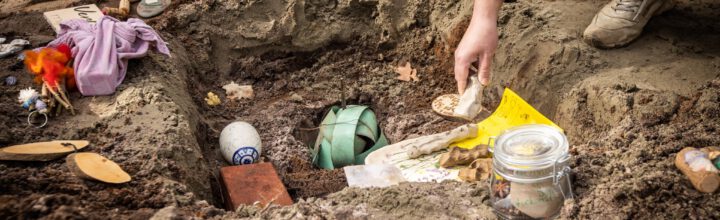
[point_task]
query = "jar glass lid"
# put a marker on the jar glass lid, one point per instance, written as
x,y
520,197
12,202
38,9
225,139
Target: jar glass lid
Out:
x,y
530,147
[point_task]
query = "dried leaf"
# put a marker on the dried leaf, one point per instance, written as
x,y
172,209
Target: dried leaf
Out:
x,y
407,73
237,92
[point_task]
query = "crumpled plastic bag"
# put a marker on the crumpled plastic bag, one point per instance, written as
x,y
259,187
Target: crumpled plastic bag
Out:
x,y
373,175
13,47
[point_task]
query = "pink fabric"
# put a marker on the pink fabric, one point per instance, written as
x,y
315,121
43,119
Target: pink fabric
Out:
x,y
101,51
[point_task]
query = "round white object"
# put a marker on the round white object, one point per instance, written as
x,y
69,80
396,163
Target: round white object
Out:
x,y
537,200
240,143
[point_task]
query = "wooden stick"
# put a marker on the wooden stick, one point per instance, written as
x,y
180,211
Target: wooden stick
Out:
x,y
50,102
703,181
416,147
65,98
431,143
62,92
43,91
57,97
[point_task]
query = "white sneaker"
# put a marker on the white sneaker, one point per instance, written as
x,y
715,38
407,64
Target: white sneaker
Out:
x,y
621,21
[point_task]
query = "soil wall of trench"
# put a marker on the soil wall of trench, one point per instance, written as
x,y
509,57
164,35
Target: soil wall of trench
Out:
x,y
626,111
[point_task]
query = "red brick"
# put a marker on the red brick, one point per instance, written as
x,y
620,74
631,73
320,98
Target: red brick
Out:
x,y
247,184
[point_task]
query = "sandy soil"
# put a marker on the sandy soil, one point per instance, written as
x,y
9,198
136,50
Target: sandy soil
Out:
x,y
627,111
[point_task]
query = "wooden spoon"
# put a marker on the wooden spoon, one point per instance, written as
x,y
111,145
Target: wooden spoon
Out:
x,y
42,151
96,167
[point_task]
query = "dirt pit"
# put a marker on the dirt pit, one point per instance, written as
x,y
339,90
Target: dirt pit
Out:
x,y
626,111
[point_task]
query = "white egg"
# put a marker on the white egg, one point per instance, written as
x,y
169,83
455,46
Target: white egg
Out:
x,y
240,143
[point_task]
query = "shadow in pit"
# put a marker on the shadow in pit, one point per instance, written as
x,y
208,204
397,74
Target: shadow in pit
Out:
x,y
214,160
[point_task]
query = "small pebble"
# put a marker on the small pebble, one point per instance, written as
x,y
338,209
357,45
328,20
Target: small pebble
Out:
x,y
10,81
296,97
429,39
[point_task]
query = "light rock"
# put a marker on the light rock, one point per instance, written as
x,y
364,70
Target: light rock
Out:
x,y
237,92
166,213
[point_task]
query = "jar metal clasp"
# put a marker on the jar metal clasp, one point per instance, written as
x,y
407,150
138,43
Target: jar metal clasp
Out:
x,y
562,172
491,139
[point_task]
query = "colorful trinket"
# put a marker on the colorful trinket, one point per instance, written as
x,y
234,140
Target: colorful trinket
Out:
x,y
27,97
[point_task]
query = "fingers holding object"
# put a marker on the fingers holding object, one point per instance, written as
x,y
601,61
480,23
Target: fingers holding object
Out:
x,y
485,67
461,76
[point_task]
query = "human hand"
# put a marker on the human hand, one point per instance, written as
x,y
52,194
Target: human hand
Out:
x,y
477,46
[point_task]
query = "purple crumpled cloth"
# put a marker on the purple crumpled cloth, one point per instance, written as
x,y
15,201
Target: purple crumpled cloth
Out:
x,y
102,50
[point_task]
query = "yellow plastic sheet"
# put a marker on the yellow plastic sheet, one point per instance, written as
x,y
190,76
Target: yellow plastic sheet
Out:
x,y
512,111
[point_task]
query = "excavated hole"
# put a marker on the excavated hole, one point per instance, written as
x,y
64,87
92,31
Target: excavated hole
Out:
x,y
301,178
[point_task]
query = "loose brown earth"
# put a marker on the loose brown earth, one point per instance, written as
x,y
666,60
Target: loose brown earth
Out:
x,y
627,111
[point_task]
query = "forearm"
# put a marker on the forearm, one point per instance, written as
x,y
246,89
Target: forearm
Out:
x,y
478,44
485,11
